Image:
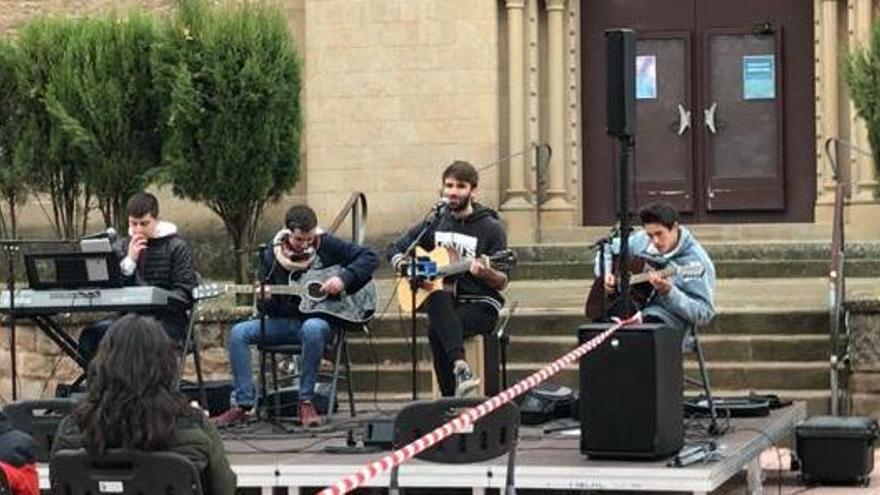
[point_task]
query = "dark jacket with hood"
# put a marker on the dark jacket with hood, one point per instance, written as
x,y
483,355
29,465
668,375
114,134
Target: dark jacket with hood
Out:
x,y
195,438
358,263
167,262
16,448
18,457
477,234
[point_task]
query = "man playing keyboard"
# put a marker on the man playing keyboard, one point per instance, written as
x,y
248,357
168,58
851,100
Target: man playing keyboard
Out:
x,y
152,254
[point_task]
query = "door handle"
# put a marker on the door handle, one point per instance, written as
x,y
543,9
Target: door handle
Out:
x,y
711,191
684,120
709,117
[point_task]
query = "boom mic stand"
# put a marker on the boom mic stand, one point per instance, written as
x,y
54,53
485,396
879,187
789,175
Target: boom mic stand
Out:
x,y
415,281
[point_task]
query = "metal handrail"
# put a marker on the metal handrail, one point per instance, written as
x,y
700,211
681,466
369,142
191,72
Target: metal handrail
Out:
x,y
357,207
837,280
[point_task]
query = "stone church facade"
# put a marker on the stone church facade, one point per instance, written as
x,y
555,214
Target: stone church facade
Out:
x,y
396,89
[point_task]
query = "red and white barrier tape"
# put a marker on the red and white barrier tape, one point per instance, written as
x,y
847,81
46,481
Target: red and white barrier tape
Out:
x,y
470,416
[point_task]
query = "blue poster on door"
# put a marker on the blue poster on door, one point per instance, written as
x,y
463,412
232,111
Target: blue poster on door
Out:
x,y
646,77
759,77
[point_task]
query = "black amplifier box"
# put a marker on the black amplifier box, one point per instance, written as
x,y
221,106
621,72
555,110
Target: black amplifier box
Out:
x,y
834,449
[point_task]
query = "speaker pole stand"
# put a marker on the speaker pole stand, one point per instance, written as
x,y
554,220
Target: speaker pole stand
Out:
x,y
626,143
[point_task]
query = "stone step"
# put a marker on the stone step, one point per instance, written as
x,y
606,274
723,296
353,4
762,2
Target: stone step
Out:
x,y
741,348
529,322
709,232
719,251
810,375
724,268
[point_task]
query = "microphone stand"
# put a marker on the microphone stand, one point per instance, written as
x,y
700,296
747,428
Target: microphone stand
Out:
x,y
414,282
10,247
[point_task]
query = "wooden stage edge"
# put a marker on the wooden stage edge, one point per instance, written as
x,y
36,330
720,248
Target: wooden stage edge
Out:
x,y
294,460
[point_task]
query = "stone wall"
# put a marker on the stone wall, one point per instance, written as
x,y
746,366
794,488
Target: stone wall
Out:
x,y
41,365
397,86
396,90
864,324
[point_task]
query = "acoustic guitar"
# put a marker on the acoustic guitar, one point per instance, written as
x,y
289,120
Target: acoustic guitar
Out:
x,y
435,266
599,304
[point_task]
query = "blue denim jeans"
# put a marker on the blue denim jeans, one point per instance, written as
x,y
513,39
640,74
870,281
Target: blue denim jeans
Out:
x,y
311,333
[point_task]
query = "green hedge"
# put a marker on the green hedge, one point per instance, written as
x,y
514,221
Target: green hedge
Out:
x,y
206,100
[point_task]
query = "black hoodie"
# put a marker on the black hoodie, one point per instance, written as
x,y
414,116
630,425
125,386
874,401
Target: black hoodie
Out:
x,y
477,234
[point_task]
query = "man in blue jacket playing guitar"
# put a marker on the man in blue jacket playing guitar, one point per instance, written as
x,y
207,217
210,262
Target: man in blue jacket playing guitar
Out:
x,y
469,302
683,293
298,250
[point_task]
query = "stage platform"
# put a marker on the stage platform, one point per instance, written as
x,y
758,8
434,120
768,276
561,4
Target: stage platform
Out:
x,y
297,459
544,461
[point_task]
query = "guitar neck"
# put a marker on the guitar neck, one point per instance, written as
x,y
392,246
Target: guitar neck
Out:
x,y
456,268
284,290
639,278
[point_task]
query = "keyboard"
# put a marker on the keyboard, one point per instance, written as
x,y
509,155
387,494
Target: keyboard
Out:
x,y
45,302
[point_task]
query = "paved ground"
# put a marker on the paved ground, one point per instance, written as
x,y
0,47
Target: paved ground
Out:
x,y
790,485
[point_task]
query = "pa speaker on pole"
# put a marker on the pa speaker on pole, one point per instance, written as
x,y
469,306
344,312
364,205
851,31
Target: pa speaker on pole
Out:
x,y
620,82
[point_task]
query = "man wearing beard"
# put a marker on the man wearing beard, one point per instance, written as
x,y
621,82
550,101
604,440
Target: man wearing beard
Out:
x,y
468,230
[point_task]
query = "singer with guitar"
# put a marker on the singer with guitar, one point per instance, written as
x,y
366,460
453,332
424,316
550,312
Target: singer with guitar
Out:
x,y
297,249
469,302
679,271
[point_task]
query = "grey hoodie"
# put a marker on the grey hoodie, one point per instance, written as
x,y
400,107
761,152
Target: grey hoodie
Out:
x,y
691,300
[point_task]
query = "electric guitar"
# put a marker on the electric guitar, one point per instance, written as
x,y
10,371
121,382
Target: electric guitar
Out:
x,y
432,267
599,304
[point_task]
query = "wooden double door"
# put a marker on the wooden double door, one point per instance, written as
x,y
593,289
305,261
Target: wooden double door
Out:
x,y
725,119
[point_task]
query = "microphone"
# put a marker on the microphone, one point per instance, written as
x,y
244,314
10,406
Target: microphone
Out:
x,y
108,233
441,205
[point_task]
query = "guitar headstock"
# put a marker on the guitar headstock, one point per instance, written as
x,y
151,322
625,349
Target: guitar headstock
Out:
x,y
503,260
208,291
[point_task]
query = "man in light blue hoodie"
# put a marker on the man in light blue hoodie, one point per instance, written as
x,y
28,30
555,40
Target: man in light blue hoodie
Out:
x,y
684,298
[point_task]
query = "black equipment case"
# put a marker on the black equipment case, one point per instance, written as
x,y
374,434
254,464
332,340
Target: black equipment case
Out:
x,y
836,449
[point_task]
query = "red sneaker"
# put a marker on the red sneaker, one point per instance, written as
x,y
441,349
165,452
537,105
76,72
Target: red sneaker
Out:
x,y
308,416
233,416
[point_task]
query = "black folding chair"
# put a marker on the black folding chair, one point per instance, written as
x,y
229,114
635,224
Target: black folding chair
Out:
x,y
192,343
492,436
338,349
39,419
76,472
691,343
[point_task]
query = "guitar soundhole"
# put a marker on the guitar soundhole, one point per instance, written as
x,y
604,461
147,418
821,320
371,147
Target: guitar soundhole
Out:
x,y
315,291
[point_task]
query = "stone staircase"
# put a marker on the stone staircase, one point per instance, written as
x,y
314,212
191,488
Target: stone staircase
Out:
x,y
770,334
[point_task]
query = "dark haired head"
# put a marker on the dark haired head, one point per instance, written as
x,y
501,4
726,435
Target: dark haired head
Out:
x,y
659,212
300,217
132,400
463,171
141,204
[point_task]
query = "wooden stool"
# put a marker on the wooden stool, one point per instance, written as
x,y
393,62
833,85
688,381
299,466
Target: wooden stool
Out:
x,y
474,354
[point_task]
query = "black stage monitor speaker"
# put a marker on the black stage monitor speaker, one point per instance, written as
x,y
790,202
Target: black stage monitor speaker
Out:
x,y
631,390
620,82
